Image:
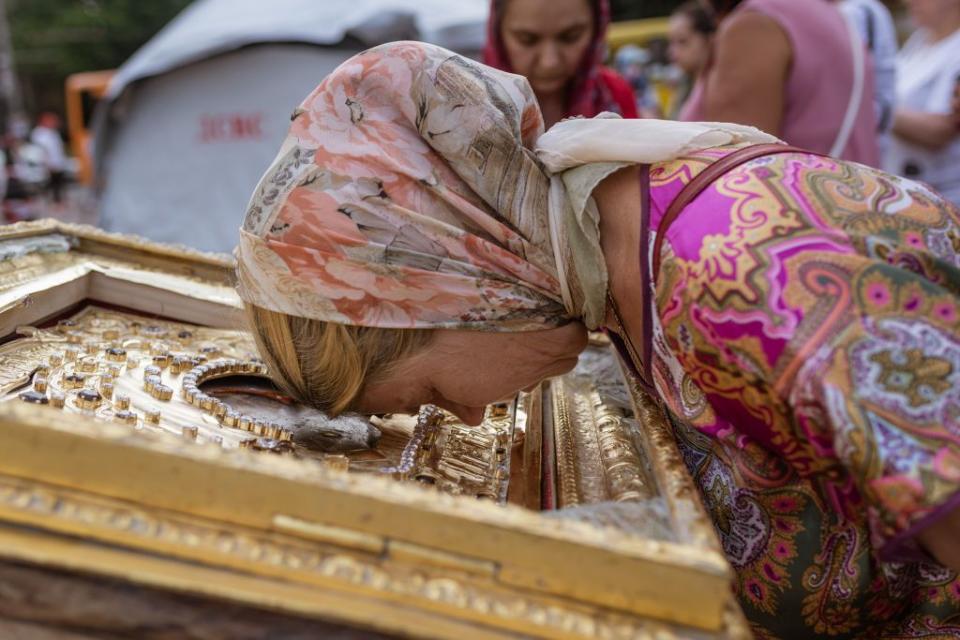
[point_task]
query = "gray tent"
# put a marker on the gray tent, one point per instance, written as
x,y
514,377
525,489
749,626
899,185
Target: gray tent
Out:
x,y
194,118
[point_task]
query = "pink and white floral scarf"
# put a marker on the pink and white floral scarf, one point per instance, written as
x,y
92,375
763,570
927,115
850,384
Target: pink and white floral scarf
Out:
x,y
406,195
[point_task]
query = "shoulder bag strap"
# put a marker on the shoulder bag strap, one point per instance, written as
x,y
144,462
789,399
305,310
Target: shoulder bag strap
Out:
x,y
856,93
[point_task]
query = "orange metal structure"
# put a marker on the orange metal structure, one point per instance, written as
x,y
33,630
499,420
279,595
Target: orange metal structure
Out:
x,y
83,91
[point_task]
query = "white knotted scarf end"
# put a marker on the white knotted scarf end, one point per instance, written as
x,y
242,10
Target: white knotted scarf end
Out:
x,y
580,153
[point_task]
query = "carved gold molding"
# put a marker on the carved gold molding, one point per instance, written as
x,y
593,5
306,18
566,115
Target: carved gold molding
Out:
x,y
597,460
438,583
115,241
597,567
568,493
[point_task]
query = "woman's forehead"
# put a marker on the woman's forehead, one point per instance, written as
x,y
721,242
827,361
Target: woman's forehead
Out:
x,y
547,15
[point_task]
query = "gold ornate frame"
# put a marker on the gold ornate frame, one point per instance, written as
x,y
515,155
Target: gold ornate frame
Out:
x,y
302,537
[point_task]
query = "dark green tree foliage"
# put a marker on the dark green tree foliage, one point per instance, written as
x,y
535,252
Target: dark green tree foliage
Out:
x,y
54,38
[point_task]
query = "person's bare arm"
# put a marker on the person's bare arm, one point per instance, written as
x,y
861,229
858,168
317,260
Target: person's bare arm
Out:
x,y
933,131
942,540
747,82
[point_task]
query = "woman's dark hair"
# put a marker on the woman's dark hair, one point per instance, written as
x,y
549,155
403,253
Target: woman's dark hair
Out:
x,y
723,7
499,6
702,18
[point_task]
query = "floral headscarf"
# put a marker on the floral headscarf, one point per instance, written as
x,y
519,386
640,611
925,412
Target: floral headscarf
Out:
x,y
589,94
407,195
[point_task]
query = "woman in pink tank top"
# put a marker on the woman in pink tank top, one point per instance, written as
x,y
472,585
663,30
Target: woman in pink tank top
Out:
x,y
790,68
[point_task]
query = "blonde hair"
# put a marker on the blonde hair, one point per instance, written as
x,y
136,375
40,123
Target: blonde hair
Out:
x,y
327,365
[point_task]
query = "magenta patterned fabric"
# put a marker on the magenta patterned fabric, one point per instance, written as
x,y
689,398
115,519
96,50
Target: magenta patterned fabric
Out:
x,y
808,343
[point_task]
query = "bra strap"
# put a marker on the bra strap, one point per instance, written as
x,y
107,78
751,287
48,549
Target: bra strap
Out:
x,y
703,180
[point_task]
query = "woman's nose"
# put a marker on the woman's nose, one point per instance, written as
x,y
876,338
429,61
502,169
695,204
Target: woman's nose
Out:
x,y
550,58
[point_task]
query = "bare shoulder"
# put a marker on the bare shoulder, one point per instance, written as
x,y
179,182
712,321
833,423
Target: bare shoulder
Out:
x,y
748,77
748,31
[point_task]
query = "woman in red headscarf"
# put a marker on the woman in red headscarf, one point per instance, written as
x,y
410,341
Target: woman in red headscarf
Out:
x,y
558,45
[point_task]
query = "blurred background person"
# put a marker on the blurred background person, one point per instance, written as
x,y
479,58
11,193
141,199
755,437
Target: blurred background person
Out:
x,y
925,143
27,176
633,63
691,32
46,136
874,23
559,46
796,70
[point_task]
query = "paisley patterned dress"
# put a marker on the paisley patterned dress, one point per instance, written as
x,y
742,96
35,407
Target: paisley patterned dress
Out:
x,y
807,342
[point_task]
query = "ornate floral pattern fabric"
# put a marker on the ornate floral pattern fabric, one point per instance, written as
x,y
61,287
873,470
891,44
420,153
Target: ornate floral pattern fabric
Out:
x,y
809,346
406,194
